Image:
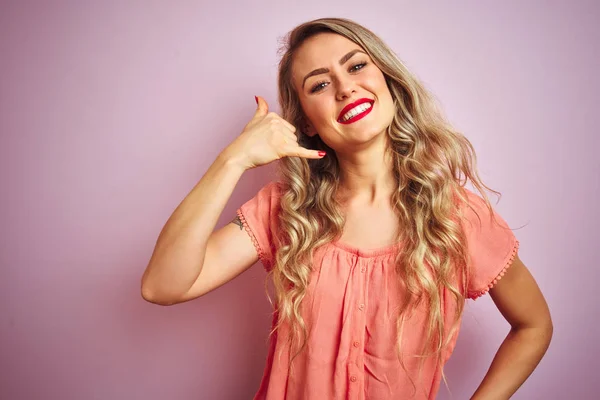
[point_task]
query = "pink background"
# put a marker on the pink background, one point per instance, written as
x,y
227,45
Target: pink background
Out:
x,y
110,113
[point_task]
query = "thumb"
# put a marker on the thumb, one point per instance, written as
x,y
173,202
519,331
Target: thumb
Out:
x,y
262,107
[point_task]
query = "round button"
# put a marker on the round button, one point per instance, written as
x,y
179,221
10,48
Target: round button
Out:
x,y
363,269
353,378
356,344
361,307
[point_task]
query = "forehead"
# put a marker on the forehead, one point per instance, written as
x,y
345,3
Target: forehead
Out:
x,y
320,51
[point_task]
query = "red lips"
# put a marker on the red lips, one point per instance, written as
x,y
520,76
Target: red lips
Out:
x,y
351,106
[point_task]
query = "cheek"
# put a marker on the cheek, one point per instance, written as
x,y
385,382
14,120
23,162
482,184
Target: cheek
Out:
x,y
318,110
376,81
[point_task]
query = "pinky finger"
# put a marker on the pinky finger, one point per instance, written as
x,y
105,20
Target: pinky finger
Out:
x,y
294,150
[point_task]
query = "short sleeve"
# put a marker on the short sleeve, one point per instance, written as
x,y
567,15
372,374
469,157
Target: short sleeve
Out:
x,y
491,245
259,217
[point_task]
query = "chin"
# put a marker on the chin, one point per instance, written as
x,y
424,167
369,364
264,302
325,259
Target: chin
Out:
x,y
367,136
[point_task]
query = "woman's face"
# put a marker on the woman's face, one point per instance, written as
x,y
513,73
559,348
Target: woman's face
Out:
x,y
342,93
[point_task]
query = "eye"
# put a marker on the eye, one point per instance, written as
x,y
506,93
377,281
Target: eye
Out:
x,y
357,67
317,87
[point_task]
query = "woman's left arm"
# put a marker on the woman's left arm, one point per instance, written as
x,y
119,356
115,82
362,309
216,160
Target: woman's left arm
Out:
x,y
521,302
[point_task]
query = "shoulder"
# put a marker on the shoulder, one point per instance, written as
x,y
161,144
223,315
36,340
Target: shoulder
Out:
x,y
485,229
270,195
481,223
265,203
271,190
469,198
276,187
473,207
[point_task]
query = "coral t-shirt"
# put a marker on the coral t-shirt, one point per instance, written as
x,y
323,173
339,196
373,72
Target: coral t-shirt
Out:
x,y
351,308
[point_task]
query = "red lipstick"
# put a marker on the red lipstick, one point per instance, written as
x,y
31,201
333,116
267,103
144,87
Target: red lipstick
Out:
x,y
357,116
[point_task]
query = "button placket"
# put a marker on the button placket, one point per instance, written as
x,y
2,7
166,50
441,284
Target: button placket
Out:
x,y
361,306
356,348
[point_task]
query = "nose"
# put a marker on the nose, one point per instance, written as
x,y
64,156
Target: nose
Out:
x,y
345,88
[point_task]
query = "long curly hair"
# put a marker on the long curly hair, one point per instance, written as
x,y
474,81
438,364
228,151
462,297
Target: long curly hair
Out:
x,y
431,163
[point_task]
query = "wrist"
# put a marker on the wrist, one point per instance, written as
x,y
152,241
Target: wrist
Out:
x,y
230,159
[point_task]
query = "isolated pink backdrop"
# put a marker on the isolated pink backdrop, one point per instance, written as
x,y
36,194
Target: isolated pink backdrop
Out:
x,y
111,111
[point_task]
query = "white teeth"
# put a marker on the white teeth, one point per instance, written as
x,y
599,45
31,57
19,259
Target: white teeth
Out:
x,y
355,111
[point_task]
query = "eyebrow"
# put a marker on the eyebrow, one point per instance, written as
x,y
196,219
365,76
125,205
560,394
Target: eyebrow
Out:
x,y
342,61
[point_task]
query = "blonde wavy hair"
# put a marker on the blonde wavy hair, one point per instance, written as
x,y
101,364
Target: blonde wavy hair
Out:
x,y
431,163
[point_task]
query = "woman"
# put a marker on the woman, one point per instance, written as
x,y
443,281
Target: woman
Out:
x,y
371,239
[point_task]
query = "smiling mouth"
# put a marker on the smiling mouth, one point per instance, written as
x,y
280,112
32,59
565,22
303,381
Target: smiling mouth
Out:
x,y
355,111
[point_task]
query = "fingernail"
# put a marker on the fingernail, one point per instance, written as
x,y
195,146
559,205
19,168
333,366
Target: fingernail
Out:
x,y
256,99
322,154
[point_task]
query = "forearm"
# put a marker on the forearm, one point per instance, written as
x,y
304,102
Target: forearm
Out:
x,y
177,259
515,360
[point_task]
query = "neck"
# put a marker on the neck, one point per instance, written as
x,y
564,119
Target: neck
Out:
x,y
366,176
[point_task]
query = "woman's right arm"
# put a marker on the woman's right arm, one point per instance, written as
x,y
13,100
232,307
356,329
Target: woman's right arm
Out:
x,y
189,259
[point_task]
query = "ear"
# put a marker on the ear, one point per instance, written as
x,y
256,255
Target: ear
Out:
x,y
308,129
